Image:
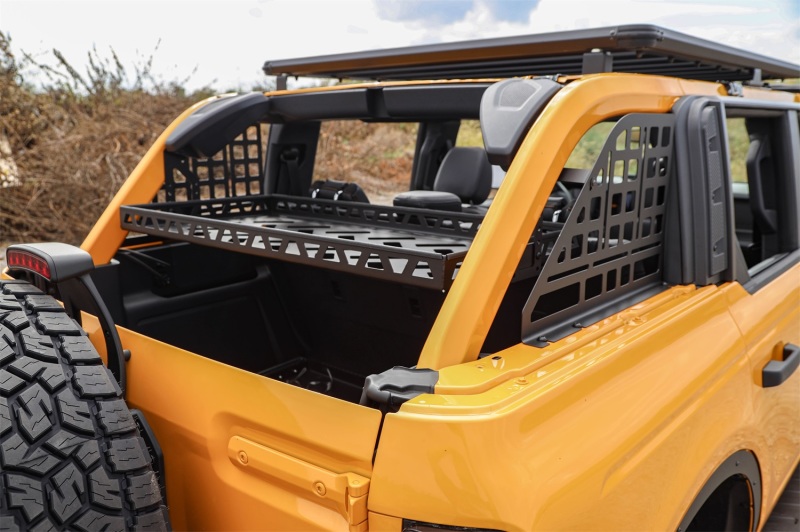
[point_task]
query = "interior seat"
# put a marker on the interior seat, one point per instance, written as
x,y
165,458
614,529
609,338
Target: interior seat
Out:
x,y
462,183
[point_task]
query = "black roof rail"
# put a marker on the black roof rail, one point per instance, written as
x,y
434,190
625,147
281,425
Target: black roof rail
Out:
x,y
644,49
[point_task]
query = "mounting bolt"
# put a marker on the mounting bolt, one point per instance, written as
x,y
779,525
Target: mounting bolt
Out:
x,y
541,339
320,489
126,354
522,381
243,457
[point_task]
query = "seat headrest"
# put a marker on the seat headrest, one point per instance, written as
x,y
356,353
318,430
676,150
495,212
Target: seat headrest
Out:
x,y
467,173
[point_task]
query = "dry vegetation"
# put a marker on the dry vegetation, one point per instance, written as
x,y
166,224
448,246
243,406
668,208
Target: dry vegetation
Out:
x,y
74,141
376,156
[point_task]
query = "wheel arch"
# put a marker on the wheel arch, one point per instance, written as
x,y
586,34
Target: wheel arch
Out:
x,y
739,469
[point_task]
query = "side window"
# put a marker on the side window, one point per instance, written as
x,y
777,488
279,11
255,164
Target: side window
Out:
x,y
470,135
763,154
376,156
588,148
582,157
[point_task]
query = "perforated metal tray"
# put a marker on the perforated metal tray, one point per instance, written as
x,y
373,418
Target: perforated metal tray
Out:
x,y
411,246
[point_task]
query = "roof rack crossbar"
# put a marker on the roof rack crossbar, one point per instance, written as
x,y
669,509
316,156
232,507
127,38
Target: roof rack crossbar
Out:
x,y
630,48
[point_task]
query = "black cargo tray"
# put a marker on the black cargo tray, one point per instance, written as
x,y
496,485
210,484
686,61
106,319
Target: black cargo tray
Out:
x,y
411,246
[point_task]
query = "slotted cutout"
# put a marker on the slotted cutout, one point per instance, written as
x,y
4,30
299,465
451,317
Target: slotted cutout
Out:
x,y
611,244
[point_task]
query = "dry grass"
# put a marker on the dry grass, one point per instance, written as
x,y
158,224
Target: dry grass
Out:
x,y
71,168
73,142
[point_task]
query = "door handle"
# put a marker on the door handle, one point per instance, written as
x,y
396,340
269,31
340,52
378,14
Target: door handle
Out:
x,y
778,371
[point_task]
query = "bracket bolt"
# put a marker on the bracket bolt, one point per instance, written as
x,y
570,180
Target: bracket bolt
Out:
x,y
243,457
320,489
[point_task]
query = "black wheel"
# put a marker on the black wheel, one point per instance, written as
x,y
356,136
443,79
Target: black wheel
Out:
x,y
71,453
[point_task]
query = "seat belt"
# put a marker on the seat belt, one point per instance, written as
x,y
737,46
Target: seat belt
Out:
x,y
290,161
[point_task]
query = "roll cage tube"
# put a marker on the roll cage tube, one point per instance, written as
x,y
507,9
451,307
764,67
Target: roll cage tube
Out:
x,y
469,308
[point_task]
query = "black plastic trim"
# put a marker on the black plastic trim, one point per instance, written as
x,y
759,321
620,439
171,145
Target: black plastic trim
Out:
x,y
780,265
63,260
345,103
592,314
705,201
776,372
789,139
388,390
435,102
81,294
508,110
741,463
412,525
406,103
208,129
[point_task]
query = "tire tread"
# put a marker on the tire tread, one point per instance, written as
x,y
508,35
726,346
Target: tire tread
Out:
x,y
71,454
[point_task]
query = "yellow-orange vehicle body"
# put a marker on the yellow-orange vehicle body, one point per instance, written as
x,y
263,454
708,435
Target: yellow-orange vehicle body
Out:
x,y
619,425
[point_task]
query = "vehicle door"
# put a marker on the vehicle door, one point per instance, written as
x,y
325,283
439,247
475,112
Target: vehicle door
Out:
x,y
765,153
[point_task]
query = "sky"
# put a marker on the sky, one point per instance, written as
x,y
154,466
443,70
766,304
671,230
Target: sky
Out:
x,y
223,44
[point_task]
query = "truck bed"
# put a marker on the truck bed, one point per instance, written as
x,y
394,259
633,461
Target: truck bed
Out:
x,y
313,292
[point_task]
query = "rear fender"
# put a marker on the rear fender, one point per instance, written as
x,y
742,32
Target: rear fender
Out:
x,y
739,464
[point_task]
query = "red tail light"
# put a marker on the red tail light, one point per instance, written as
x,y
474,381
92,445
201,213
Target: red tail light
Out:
x,y
28,261
54,261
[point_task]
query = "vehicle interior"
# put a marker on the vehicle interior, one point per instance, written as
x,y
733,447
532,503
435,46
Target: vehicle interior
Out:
x,y
761,166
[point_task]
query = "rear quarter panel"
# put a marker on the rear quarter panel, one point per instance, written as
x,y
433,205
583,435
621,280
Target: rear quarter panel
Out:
x,y
619,432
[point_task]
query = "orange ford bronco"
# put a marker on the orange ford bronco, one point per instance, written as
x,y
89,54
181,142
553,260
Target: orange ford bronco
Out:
x,y
587,318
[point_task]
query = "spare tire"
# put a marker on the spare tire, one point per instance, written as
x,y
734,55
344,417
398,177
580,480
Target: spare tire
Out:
x,y
71,452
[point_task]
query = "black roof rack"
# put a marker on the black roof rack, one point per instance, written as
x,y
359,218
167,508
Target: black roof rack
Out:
x,y
642,49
